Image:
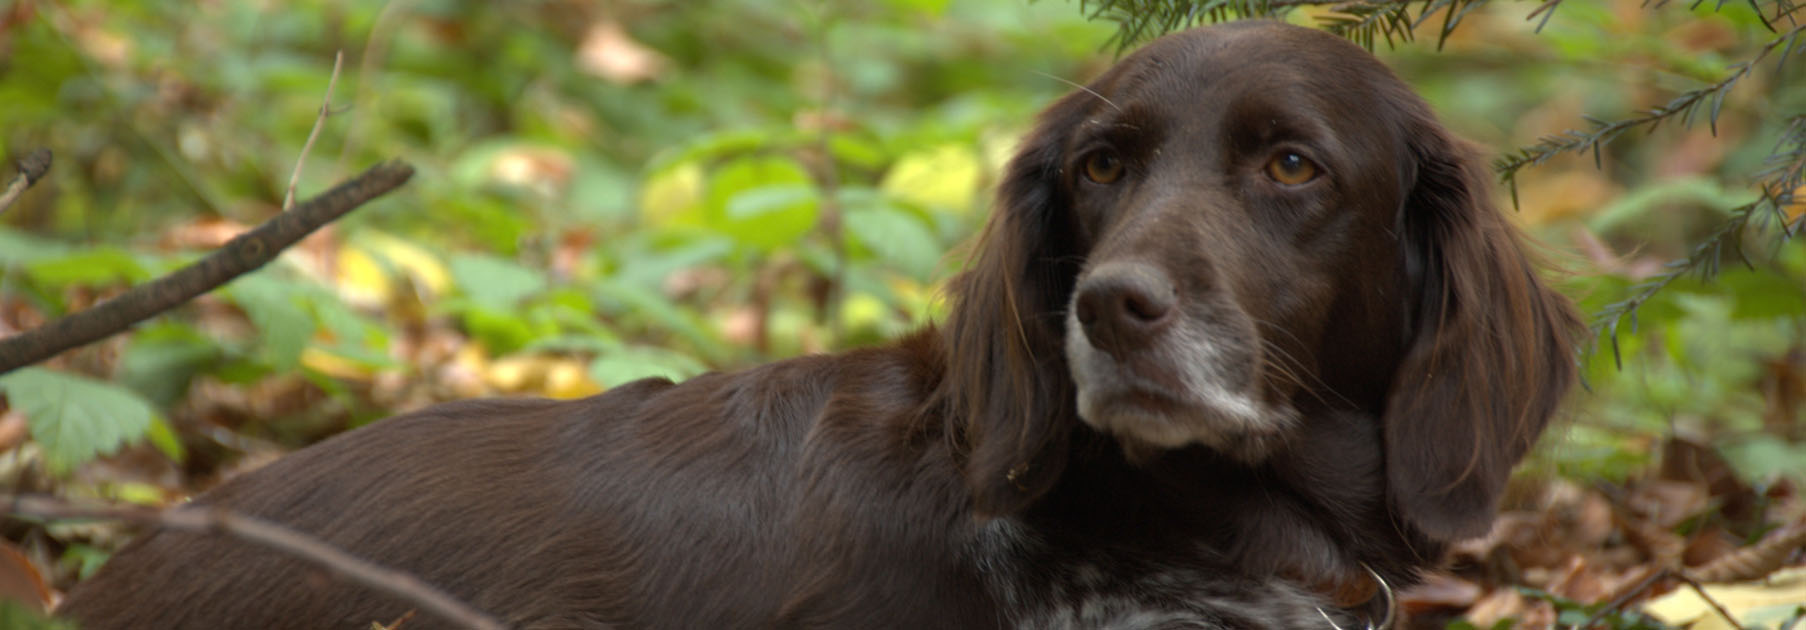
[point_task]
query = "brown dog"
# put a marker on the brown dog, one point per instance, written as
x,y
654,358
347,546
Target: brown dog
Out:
x,y
1243,322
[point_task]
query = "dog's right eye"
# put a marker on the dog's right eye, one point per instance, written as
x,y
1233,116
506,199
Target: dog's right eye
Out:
x,y
1103,167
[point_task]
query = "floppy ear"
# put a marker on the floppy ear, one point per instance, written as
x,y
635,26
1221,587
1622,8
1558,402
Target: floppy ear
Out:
x,y
1007,383
1491,356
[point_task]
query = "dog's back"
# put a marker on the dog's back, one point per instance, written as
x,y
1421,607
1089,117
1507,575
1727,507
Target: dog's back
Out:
x,y
545,514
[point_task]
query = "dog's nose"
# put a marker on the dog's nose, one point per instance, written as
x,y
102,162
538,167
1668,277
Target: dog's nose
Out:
x,y
1124,306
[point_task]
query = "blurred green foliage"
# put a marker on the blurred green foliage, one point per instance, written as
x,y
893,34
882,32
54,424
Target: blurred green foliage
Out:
x,y
660,187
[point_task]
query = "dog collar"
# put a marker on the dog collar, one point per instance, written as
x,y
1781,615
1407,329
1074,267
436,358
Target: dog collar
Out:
x,y
1361,597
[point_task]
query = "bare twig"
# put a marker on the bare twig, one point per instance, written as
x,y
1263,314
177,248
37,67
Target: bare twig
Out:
x,y
833,216
364,92
1651,578
243,253
31,169
215,520
338,61
1711,601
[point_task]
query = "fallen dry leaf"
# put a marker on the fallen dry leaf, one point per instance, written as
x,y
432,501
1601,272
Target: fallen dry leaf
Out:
x,y
609,52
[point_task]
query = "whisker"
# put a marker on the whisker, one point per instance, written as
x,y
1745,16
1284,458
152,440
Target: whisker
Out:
x,y
1081,87
1295,368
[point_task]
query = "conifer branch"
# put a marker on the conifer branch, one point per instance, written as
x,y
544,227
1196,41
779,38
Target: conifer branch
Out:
x,y
1783,174
1684,106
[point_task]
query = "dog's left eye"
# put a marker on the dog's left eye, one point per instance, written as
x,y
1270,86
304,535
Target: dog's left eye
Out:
x,y
1103,167
1291,169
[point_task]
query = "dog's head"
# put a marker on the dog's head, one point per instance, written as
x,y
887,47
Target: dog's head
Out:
x,y
1232,231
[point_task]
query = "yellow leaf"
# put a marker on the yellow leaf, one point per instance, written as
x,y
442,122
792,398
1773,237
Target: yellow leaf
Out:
x,y
568,378
862,310
334,365
421,265
1756,605
1798,207
673,197
512,374
361,280
1545,198
139,493
552,376
923,302
945,176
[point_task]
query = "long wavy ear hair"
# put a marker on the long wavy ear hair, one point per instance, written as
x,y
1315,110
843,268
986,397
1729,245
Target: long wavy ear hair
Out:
x,y
1492,353
1007,385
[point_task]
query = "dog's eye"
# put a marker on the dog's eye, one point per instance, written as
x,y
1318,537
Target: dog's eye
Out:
x,y
1291,169
1103,167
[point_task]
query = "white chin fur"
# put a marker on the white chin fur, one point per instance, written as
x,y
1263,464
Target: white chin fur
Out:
x,y
1114,399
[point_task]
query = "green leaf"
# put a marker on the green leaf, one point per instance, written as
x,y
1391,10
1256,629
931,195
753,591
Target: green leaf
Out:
x,y
501,331
946,176
165,439
764,203
631,363
18,247
673,196
103,265
662,313
1763,456
495,282
1762,294
931,7
15,616
355,334
86,559
1638,205
897,237
162,358
276,309
74,418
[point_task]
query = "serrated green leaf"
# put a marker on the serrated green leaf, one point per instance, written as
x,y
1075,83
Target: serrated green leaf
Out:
x,y
74,418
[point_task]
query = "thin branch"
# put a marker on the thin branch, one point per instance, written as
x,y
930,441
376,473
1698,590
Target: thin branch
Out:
x,y
217,520
31,169
833,215
1700,590
243,253
364,93
338,61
